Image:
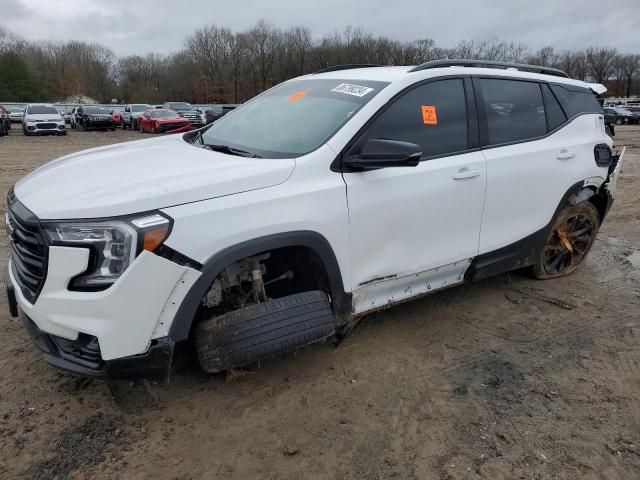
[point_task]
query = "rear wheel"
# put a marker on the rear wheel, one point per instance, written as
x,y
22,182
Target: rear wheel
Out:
x,y
618,121
568,242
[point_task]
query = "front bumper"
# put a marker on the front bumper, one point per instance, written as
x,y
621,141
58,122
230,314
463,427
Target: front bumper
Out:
x,y
82,356
129,321
43,127
173,128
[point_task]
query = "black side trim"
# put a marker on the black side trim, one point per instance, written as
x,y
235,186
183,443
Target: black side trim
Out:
x,y
11,293
341,301
169,253
521,253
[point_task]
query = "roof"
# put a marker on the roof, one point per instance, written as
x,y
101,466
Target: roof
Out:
x,y
404,73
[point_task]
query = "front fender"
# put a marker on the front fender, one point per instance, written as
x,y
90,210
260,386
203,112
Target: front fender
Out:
x,y
211,268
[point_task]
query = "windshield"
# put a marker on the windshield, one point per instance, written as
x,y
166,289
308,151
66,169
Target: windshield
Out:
x,y
293,118
99,110
16,110
42,110
179,106
163,113
140,108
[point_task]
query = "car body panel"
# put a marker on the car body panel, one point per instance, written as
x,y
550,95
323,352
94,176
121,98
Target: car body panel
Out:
x,y
140,176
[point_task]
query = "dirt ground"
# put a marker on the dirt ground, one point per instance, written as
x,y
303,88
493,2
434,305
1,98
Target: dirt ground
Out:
x,y
507,378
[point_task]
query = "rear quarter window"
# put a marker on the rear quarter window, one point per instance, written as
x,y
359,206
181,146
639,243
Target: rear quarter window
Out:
x,y
576,100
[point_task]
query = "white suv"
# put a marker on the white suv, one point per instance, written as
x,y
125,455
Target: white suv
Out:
x,y
42,118
326,197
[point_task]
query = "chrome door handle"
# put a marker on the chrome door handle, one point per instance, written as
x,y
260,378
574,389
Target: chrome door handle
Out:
x,y
565,155
466,173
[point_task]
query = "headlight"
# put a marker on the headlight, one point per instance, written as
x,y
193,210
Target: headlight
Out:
x,y
113,245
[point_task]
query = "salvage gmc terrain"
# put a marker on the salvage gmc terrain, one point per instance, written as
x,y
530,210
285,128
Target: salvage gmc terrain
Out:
x,y
324,198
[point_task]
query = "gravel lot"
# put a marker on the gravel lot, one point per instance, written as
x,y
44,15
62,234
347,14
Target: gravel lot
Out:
x,y
507,378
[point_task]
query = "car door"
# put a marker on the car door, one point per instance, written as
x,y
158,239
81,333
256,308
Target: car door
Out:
x,y
416,229
534,156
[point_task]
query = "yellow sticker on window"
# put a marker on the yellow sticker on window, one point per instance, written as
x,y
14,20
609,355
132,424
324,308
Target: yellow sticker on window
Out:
x,y
297,96
429,116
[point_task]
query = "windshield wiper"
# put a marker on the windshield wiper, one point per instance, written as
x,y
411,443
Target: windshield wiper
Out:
x,y
229,150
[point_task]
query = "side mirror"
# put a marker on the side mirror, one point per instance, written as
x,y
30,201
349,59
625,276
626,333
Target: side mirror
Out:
x,y
381,153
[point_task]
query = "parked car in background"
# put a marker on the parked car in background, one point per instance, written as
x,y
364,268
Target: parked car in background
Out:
x,y
42,119
187,111
131,113
5,122
72,117
117,117
216,112
163,121
94,117
610,122
622,115
65,114
16,114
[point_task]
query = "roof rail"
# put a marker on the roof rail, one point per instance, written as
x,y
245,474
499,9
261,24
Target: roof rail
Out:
x,y
335,68
488,63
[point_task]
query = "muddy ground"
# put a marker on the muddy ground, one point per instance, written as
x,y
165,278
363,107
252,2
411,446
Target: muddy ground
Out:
x,y
507,378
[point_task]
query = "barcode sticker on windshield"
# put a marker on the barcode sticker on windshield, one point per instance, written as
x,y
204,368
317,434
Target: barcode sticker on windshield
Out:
x,y
350,89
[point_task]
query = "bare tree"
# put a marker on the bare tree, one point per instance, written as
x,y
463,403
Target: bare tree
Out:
x,y
601,62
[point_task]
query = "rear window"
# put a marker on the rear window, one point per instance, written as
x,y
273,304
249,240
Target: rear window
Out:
x,y
514,110
576,100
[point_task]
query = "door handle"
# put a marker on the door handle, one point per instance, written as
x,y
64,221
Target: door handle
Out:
x,y
466,173
565,155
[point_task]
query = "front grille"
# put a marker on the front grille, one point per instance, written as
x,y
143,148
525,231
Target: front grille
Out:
x,y
28,249
46,125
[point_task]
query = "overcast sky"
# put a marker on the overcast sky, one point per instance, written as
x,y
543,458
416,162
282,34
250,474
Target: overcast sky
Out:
x,y
141,26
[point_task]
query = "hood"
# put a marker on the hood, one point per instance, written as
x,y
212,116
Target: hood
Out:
x,y
40,117
141,176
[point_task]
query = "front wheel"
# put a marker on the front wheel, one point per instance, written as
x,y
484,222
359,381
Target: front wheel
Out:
x,y
618,121
568,242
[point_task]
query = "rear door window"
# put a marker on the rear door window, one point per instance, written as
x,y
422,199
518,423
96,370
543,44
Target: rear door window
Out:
x,y
514,110
432,115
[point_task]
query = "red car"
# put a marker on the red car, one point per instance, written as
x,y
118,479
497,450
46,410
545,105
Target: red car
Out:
x,y
117,117
162,120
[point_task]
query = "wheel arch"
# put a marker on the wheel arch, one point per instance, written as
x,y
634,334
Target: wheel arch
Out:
x,y
521,253
211,268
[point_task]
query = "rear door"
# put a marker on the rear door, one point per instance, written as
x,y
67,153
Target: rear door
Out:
x,y
535,151
415,229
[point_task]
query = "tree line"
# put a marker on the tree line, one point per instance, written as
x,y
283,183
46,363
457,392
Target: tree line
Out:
x,y
218,65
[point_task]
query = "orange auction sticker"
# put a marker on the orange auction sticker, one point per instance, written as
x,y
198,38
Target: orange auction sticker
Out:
x,y
429,116
297,96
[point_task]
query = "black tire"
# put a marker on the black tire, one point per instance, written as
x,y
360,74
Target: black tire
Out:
x,y
579,224
618,121
249,334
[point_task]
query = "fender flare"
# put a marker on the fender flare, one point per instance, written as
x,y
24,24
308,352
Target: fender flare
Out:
x,y
211,268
